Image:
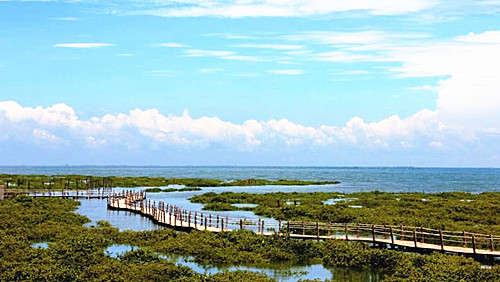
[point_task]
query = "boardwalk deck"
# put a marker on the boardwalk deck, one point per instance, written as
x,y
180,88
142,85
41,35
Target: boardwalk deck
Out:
x,y
402,237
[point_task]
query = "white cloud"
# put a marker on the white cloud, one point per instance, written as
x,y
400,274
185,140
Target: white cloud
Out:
x,y
173,45
426,130
206,53
209,71
244,58
293,8
287,72
271,46
83,45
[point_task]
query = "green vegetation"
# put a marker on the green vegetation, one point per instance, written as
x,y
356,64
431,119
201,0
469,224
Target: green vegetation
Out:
x,y
12,181
159,190
77,253
458,211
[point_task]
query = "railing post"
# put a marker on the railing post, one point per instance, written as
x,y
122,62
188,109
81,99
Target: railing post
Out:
x,y
217,221
262,232
205,223
317,229
227,223
241,224
357,230
465,240
346,233
195,220
279,226
441,241
373,234
288,227
222,224
473,244
329,228
421,234
402,233
492,244
392,237
303,228
415,237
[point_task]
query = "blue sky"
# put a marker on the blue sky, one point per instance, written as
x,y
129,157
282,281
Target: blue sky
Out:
x,y
253,82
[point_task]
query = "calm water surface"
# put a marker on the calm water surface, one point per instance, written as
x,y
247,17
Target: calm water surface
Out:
x,y
281,272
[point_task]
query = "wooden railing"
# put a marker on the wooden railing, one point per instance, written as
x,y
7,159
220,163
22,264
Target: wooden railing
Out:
x,y
393,235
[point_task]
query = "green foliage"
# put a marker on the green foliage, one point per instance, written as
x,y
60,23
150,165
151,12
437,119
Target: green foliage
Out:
x,y
457,211
73,181
76,253
158,190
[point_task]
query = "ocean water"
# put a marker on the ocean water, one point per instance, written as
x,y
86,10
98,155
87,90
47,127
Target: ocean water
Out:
x,y
353,179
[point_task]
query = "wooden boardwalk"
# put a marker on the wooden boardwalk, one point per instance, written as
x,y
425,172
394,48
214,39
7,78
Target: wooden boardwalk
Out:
x,y
99,193
417,239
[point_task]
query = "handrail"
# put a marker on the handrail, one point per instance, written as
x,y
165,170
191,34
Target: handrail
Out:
x,y
395,235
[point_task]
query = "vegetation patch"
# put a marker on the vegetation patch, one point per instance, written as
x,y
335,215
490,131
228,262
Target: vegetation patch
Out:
x,y
457,211
14,181
76,252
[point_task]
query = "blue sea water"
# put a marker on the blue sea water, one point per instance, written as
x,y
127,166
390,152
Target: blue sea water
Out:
x,y
353,179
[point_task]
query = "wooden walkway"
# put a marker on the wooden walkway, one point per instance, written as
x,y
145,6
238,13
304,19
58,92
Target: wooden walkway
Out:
x,y
417,239
100,193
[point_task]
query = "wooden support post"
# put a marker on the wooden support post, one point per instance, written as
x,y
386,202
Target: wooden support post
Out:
x,y
258,226
346,233
415,238
492,244
195,220
357,230
217,221
241,224
329,229
210,216
227,223
402,233
441,241
262,232
288,227
421,234
317,229
205,223
222,224
279,226
392,237
303,228
473,244
385,228
373,234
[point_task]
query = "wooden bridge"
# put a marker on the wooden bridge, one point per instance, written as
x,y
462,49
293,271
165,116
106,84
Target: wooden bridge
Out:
x,y
417,239
97,193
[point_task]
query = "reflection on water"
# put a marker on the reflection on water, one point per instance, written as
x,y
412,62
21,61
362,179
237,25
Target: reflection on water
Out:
x,y
245,205
281,272
96,210
40,245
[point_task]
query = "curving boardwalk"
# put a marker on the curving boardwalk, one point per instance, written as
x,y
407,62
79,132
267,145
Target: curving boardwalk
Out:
x,y
418,239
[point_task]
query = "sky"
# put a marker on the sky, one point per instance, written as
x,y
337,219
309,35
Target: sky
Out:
x,y
250,82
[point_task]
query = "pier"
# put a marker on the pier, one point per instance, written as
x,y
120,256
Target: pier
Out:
x,y
406,238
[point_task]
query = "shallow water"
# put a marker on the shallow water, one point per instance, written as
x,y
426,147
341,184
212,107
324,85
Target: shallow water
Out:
x,y
40,245
281,272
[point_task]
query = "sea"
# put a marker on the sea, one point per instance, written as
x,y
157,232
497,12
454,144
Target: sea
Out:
x,y
353,179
